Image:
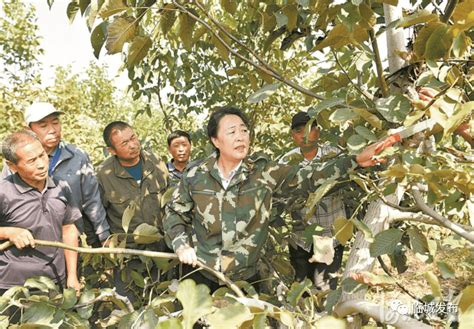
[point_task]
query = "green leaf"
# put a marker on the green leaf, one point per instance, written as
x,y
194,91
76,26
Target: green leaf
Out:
x,y
70,298
324,105
361,226
71,11
98,37
297,290
172,323
418,241
467,298
447,271
287,318
127,216
434,284
145,234
342,115
112,7
433,41
39,313
86,297
229,5
390,189
259,321
168,17
316,196
138,50
366,133
419,17
196,301
460,113
281,19
369,117
221,48
323,250
291,12
4,321
385,242
356,143
394,108
186,25
83,4
343,229
42,283
121,30
332,299
231,316
263,93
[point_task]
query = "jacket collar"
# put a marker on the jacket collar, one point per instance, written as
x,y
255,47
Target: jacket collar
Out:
x,y
23,188
211,166
147,166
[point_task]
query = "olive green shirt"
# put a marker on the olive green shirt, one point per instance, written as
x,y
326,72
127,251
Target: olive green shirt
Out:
x,y
120,191
228,227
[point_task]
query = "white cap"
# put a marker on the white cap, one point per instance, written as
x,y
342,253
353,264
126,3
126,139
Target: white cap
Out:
x,y
37,111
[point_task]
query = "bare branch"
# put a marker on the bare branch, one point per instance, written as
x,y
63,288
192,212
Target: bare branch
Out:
x,y
440,219
378,64
449,10
134,252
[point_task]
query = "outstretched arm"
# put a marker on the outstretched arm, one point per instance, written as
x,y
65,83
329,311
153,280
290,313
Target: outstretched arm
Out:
x,y
70,237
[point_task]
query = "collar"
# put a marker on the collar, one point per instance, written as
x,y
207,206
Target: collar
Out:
x,y
147,166
23,187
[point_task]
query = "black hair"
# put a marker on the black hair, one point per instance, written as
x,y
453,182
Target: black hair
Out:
x,y
217,115
177,134
115,125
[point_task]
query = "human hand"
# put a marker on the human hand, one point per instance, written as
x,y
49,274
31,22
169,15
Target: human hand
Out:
x,y
427,94
73,282
21,237
187,255
366,157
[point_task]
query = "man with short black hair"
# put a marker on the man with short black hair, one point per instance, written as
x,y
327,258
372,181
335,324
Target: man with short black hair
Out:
x,y
330,208
179,146
70,164
35,206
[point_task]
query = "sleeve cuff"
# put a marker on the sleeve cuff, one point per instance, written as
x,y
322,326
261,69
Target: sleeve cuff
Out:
x,y
104,235
179,241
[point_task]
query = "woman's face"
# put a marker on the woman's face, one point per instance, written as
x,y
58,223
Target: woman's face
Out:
x,y
232,138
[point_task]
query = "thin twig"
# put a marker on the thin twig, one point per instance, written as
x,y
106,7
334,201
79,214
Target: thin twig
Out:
x,y
378,64
135,252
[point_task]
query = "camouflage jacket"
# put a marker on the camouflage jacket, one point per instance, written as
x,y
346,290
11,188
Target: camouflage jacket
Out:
x,y
119,191
228,227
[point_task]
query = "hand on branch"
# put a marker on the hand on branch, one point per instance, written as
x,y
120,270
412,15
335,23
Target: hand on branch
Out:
x,y
187,255
20,237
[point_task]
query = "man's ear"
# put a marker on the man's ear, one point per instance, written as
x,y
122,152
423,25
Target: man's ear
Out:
x,y
12,166
111,150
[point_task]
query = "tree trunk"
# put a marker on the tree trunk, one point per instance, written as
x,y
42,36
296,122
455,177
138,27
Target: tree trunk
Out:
x,y
395,37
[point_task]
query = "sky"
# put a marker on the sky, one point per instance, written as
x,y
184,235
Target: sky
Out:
x,y
69,44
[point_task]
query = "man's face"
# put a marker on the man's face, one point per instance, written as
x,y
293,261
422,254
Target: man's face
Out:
x,y
32,164
299,137
48,131
180,149
125,145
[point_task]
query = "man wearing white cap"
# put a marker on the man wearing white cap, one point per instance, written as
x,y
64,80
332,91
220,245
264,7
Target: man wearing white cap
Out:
x,y
69,163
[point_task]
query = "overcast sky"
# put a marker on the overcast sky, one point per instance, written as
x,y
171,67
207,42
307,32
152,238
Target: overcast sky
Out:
x,y
69,44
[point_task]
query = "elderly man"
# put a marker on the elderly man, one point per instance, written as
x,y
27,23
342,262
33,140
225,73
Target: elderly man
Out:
x,y
72,165
179,146
33,205
330,208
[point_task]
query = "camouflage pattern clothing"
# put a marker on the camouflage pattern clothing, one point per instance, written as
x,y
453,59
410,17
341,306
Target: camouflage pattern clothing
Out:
x,y
330,207
228,227
120,191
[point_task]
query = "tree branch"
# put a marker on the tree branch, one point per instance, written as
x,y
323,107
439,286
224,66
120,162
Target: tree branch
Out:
x,y
440,219
449,10
378,64
379,313
134,252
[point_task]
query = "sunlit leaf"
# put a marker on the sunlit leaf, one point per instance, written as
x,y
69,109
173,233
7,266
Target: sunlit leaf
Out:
x,y
138,50
342,115
168,17
366,133
41,283
434,41
186,26
394,108
371,118
361,226
323,249
112,7
127,216
343,229
297,290
418,17
145,234
385,242
463,16
434,284
315,197
466,319
356,143
229,317
172,323
85,312
70,298
291,12
330,322
98,37
263,93
447,271
221,48
196,301
71,10
418,241
39,314
467,298
229,5
121,30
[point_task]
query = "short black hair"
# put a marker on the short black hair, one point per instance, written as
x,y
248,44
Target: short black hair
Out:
x,y
177,134
218,114
115,125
